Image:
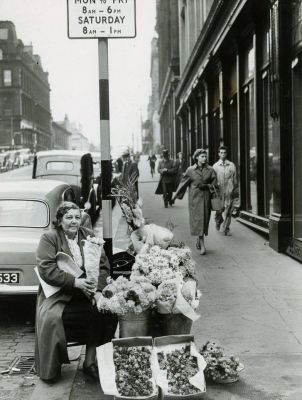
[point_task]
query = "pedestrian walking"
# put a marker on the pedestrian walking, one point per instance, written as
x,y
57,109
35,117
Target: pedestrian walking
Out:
x,y
70,314
201,180
130,171
152,160
180,167
166,185
227,184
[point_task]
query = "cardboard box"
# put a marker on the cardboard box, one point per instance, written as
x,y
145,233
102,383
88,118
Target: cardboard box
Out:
x,y
107,368
168,344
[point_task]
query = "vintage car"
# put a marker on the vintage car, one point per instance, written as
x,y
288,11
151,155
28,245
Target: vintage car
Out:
x,y
26,211
3,161
75,168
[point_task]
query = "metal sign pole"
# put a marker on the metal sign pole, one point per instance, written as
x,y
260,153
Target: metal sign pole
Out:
x,y
106,167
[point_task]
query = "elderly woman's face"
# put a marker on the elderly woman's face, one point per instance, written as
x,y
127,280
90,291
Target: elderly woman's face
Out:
x,y
201,159
71,222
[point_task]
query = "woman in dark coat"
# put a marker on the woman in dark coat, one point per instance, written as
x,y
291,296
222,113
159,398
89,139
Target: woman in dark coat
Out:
x,y
70,314
201,179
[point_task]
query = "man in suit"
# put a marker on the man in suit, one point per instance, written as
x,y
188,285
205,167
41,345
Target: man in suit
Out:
x,y
167,171
129,171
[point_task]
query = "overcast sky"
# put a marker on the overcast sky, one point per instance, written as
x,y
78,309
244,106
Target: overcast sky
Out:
x,y
73,66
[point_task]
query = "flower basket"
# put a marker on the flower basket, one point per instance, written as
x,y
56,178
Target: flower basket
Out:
x,y
220,368
131,324
230,379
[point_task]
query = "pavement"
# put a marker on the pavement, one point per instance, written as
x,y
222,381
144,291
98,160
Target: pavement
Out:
x,y
251,304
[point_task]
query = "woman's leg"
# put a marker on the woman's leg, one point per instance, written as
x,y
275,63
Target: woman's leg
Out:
x,y
202,245
90,355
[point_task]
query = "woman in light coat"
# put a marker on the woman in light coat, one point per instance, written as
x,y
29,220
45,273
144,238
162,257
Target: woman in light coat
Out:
x,y
201,179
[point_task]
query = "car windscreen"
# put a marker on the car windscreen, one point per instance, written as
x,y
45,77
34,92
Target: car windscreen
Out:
x,y
23,213
59,166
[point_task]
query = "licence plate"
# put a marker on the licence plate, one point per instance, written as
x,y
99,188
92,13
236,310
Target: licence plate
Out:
x,y
9,277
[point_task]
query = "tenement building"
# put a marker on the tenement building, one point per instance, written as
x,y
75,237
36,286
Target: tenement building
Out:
x,y
25,116
240,84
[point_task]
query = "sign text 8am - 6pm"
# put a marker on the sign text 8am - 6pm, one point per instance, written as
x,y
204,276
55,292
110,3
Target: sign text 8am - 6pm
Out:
x,y
101,18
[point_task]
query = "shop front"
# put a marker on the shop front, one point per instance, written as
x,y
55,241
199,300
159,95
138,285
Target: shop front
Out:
x,y
248,98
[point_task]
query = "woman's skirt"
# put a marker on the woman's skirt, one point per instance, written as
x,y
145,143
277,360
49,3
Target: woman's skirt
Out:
x,y
84,324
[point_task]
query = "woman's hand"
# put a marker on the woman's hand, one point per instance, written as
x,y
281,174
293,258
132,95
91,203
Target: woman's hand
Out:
x,y
87,286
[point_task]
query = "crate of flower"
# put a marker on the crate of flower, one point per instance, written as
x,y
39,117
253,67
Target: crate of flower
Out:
x,y
178,368
125,368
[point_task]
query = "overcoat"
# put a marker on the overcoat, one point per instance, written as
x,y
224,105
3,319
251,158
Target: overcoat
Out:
x,y
50,345
199,197
166,177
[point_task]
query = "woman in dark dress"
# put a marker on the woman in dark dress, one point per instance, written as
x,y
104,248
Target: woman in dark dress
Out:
x,y
201,180
70,314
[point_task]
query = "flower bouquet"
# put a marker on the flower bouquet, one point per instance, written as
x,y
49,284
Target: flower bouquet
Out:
x,y
130,206
92,250
131,300
122,296
125,368
178,366
220,367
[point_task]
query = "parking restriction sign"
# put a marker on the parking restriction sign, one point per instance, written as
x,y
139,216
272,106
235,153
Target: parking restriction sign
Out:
x,y
101,19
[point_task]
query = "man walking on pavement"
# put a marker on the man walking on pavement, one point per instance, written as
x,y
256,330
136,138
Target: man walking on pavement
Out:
x,y
227,182
166,185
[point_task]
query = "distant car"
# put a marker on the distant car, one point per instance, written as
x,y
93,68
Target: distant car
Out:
x,y
3,161
26,211
25,157
72,167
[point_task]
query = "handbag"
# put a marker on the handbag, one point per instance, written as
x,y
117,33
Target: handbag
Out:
x,y
216,203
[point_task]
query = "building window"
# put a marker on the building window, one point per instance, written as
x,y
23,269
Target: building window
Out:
x,y
3,34
1,54
7,77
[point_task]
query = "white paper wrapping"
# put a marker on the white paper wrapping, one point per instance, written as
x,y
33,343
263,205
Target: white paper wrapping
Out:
x,y
65,263
92,254
106,366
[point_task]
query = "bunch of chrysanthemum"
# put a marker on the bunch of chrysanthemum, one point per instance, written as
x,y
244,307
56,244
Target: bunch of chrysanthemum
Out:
x,y
180,366
219,366
123,296
159,264
133,371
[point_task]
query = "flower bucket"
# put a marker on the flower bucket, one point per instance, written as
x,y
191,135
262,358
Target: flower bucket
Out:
x,y
174,324
132,325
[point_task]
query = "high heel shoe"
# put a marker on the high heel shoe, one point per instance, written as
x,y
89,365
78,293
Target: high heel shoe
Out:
x,y
198,246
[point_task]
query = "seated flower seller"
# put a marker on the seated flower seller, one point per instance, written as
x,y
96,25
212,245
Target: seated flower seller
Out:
x,y
69,315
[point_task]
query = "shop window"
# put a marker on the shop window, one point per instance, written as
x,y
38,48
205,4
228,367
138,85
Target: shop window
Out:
x,y
7,77
251,154
297,22
297,146
271,153
251,146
